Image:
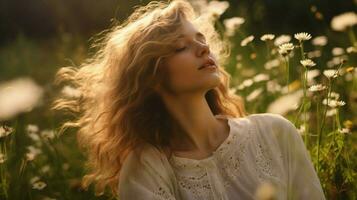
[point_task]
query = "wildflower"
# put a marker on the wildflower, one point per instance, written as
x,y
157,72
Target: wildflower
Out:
x,y
5,131
307,63
330,73
267,37
261,77
286,48
71,92
343,21
246,40
2,158
302,36
311,74
286,103
217,8
314,54
273,86
351,50
32,153
17,96
32,128
282,39
233,24
253,95
271,64
331,112
48,134
337,51
319,41
333,103
344,131
39,185
317,88
265,191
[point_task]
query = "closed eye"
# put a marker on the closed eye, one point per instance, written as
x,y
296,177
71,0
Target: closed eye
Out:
x,y
180,49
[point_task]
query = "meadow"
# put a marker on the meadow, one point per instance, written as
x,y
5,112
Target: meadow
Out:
x,y
311,79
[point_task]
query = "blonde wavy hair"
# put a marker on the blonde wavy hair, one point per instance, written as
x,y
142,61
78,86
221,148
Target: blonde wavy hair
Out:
x,y
118,110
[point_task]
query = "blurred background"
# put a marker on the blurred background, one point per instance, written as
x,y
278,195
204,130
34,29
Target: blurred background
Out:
x,y
38,37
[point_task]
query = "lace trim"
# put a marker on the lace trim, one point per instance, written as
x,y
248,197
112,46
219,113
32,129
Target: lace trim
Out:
x,y
181,162
198,185
162,194
231,162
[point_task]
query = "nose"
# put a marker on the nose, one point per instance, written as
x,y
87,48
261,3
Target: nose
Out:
x,y
202,49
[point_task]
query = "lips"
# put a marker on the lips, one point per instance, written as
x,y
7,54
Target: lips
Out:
x,y
207,63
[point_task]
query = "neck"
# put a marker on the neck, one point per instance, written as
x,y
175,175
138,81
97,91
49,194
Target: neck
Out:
x,y
196,128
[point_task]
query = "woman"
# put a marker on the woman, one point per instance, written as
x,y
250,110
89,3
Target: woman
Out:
x,y
158,120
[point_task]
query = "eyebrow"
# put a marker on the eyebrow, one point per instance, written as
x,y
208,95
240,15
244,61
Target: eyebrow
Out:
x,y
198,34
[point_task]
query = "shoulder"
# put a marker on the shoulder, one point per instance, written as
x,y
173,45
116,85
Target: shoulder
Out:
x,y
277,125
274,121
147,157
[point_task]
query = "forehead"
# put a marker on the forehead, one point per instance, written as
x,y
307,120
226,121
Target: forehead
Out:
x,y
189,29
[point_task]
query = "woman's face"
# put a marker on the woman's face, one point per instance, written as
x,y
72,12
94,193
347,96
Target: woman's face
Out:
x,y
182,68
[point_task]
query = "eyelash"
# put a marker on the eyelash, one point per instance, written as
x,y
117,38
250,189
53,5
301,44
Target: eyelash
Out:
x,y
183,48
180,49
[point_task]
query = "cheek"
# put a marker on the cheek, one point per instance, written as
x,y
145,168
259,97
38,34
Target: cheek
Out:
x,y
182,70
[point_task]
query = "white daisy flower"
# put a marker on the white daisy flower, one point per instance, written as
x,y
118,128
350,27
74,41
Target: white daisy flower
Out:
x,y
319,41
344,131
272,64
267,37
32,128
317,88
302,36
217,8
307,63
261,77
331,112
351,50
282,39
333,103
48,134
286,103
232,24
246,40
311,74
5,131
314,54
286,48
253,95
330,73
343,21
337,51
39,185
17,96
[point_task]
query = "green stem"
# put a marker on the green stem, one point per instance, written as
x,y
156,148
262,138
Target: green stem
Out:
x,y
305,99
287,71
352,37
322,126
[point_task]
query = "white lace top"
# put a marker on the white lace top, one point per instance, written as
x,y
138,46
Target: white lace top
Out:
x,y
260,148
